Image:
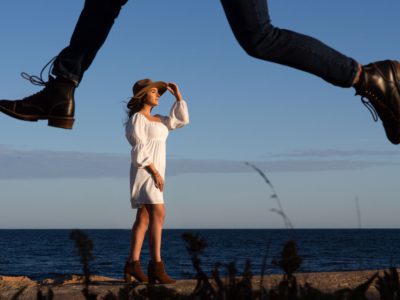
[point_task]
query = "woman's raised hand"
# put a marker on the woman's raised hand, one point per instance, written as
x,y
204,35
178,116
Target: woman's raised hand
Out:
x,y
174,90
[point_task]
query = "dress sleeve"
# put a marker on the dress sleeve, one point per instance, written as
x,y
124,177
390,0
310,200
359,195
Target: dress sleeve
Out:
x,y
178,116
137,137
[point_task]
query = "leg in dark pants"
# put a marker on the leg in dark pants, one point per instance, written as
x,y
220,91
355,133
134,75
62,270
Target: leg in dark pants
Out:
x,y
251,25
378,82
91,31
55,102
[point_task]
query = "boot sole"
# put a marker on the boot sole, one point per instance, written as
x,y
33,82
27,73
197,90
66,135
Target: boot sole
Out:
x,y
59,122
154,280
129,279
65,123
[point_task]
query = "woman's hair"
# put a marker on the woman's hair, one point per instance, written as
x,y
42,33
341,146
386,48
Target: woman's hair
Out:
x,y
135,104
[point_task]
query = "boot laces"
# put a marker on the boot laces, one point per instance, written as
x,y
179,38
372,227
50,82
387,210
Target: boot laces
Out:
x,y
368,103
370,107
38,80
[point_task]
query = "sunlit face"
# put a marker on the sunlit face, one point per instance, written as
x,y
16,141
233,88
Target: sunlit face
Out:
x,y
152,97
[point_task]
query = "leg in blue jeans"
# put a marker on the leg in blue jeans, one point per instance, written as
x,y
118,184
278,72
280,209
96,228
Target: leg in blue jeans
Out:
x,y
378,82
92,28
56,102
251,25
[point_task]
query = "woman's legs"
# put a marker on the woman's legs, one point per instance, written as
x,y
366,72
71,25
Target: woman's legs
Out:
x,y
149,216
139,229
156,214
156,268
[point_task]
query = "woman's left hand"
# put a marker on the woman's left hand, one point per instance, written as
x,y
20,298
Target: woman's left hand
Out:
x,y
174,90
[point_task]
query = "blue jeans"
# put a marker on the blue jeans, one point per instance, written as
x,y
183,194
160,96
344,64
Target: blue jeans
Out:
x,y
94,24
250,23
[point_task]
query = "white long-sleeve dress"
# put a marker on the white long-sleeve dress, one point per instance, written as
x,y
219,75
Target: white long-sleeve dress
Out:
x,y
148,140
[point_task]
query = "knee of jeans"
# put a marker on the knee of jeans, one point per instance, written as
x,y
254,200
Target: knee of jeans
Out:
x,y
109,8
115,6
258,42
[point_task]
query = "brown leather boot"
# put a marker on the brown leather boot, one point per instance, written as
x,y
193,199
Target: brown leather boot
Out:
x,y
54,103
133,270
156,272
380,84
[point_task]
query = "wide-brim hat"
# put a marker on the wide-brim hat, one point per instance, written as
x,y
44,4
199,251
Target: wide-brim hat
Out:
x,y
141,87
144,85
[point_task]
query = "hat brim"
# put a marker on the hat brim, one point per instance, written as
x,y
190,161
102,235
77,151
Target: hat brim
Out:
x,y
160,85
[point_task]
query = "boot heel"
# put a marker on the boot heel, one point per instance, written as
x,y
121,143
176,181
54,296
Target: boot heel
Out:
x,y
129,278
156,273
133,272
61,123
152,279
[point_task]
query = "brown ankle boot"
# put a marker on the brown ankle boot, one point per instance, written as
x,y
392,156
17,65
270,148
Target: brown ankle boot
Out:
x,y
380,84
133,270
156,272
54,103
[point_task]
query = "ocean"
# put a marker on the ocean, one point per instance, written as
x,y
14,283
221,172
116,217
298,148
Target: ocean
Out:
x,y
41,254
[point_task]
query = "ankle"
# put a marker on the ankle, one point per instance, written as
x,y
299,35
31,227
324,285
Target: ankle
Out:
x,y
357,77
131,260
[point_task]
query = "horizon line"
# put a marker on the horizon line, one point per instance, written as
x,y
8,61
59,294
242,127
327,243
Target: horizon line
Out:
x,y
221,228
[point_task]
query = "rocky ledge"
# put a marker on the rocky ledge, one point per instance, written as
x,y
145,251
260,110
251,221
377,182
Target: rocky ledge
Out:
x,y
70,287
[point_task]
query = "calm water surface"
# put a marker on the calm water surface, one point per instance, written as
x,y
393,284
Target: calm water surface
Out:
x,y
46,253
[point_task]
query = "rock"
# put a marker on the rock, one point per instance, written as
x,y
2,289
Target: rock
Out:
x,y
76,279
79,279
47,281
16,281
71,286
17,287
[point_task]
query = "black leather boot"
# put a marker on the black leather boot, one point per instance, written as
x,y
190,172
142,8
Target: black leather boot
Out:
x,y
379,83
55,103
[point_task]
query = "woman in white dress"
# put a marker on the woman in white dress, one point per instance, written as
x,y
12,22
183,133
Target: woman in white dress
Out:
x,y
147,134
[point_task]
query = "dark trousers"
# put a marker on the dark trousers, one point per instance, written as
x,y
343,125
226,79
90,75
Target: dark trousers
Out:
x,y
94,24
250,23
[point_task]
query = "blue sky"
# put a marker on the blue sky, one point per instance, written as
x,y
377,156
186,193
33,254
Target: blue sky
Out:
x,y
316,142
